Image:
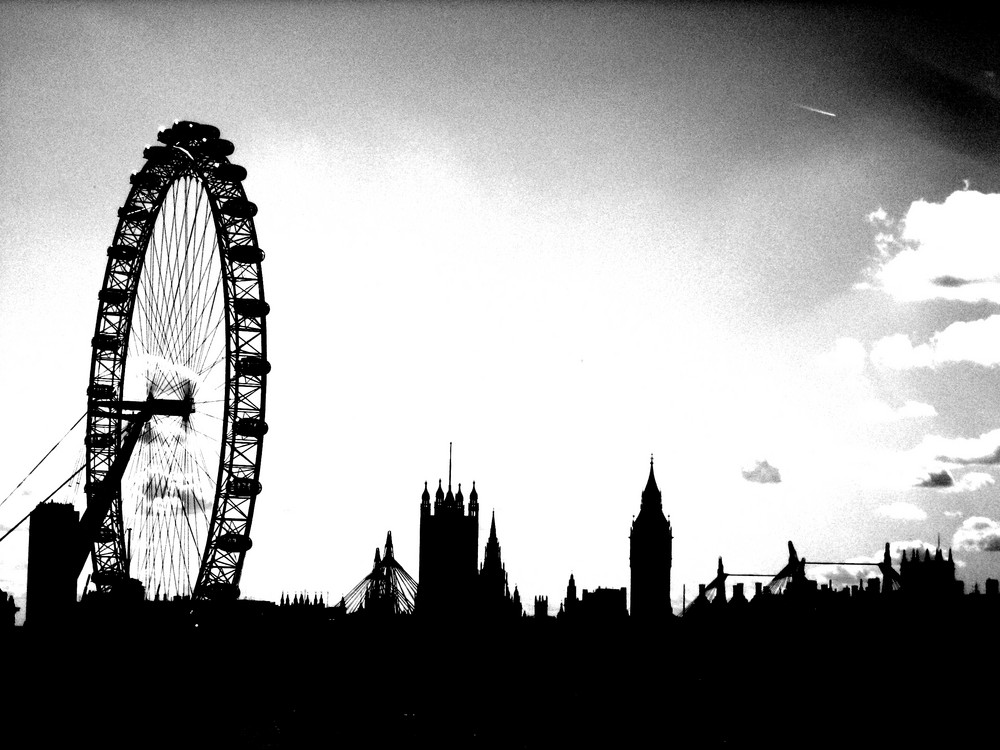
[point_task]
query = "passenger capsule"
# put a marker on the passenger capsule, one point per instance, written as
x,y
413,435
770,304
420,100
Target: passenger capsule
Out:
x,y
185,130
113,296
167,136
101,392
106,342
243,487
100,440
233,543
253,366
250,427
246,254
158,154
230,172
123,252
240,208
252,308
217,147
133,213
145,180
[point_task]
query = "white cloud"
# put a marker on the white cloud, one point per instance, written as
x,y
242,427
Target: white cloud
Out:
x,y
762,473
978,534
847,357
972,481
896,352
940,250
975,341
879,412
953,513
902,512
984,450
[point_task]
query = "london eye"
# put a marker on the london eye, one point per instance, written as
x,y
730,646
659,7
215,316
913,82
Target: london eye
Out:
x,y
176,393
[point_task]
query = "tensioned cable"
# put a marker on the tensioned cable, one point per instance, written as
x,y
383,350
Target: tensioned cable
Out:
x,y
51,495
43,459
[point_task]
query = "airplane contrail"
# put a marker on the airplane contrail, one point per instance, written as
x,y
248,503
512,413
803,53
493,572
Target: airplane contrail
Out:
x,y
817,111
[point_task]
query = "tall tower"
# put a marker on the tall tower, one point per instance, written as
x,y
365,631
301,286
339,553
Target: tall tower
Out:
x,y
492,573
650,554
449,552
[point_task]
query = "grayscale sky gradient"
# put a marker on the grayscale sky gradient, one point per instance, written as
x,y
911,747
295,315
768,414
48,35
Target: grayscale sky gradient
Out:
x,y
563,236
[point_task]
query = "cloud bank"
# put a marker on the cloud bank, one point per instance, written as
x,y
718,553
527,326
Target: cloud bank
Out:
x,y
978,534
939,250
976,341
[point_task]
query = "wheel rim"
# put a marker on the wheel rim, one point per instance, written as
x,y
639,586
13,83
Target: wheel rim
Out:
x,y
183,304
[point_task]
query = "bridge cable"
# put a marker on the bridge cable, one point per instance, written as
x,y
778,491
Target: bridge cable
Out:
x,y
43,459
68,480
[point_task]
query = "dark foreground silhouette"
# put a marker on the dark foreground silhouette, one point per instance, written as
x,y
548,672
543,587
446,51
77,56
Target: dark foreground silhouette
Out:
x,y
239,678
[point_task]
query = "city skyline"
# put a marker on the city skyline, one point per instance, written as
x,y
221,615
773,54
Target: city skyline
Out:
x,y
563,238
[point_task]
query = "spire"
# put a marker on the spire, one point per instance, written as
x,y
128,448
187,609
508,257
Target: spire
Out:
x,y
493,527
439,495
378,557
459,497
426,497
651,495
473,496
449,467
388,545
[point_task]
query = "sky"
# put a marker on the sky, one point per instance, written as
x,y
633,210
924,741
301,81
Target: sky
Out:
x,y
756,242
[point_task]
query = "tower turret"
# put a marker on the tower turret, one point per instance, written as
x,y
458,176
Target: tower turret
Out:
x,y
425,502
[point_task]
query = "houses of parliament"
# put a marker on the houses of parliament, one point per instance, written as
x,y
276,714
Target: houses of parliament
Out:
x,y
451,587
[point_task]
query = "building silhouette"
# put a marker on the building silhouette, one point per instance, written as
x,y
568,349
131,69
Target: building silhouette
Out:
x,y
8,611
449,552
495,599
52,542
571,604
541,606
650,551
929,577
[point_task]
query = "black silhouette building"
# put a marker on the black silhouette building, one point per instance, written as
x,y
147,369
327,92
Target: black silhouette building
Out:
x,y
650,543
571,605
495,600
9,610
449,553
541,606
604,604
929,577
52,541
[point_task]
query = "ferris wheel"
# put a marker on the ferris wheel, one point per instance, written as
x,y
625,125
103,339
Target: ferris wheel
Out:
x,y
176,395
